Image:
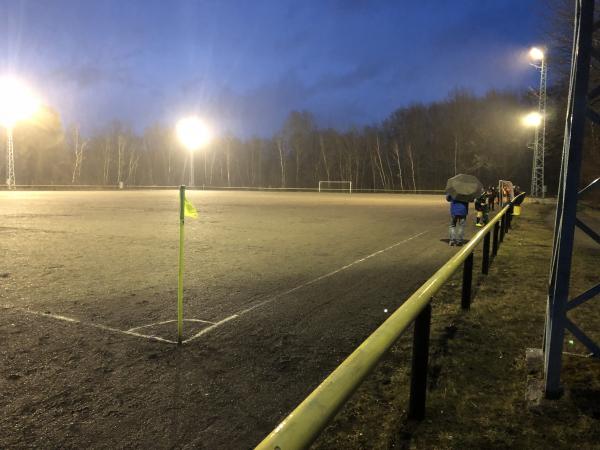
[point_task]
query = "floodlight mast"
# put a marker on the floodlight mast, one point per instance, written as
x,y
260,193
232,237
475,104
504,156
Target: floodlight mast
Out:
x,y
10,159
538,58
16,103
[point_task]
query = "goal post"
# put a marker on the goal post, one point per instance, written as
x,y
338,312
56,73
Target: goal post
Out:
x,y
335,186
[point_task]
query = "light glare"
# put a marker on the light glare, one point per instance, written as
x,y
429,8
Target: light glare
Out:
x,y
533,119
192,133
536,54
17,102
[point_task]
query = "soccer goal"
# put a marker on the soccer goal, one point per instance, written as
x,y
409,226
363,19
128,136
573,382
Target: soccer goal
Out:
x,y
335,186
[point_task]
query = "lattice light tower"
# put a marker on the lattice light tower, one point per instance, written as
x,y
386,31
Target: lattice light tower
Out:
x,y
582,104
17,103
10,159
538,58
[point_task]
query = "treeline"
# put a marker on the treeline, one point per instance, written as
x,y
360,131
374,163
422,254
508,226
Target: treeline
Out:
x,y
416,147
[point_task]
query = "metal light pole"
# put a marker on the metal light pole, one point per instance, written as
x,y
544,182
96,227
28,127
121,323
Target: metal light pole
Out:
x,y
537,171
192,183
10,159
17,103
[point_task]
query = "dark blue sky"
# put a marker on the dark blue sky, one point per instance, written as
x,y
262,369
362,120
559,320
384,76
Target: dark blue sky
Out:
x,y
245,64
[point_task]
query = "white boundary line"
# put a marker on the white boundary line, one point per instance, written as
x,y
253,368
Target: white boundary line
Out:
x,y
303,285
164,322
90,324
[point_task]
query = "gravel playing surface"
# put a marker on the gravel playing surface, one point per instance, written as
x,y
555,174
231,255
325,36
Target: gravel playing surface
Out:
x,y
283,285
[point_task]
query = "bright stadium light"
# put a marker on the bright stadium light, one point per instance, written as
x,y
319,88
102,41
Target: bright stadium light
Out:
x,y
193,134
533,119
17,102
536,54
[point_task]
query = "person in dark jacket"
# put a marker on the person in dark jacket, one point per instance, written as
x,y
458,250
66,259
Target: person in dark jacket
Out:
x,y
492,197
518,201
483,209
458,217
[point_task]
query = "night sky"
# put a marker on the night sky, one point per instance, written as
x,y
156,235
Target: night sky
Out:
x,y
244,65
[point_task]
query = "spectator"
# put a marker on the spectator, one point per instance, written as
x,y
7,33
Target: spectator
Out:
x,y
482,207
492,198
458,217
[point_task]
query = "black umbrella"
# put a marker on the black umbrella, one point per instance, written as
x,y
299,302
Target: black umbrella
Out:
x,y
464,188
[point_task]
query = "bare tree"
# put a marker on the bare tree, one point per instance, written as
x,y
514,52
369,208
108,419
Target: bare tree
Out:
x,y
120,152
106,168
132,166
397,153
412,166
78,147
281,160
379,163
322,145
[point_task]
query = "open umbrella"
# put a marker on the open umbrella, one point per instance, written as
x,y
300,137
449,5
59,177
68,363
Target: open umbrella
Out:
x,y
464,188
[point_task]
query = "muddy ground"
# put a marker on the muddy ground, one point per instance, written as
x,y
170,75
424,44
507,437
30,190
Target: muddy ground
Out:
x,y
284,286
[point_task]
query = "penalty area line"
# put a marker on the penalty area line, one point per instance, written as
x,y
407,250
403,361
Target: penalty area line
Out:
x,y
301,286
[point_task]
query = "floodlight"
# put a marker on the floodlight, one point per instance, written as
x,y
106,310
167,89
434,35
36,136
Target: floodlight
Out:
x,y
17,102
536,54
533,119
192,133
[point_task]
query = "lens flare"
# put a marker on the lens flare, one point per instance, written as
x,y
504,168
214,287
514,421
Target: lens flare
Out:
x,y
533,119
193,133
536,54
17,102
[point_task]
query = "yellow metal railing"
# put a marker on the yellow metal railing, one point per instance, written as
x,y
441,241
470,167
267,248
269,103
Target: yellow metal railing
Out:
x,y
302,426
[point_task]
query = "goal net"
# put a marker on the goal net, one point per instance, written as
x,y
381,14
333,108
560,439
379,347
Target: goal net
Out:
x,y
335,186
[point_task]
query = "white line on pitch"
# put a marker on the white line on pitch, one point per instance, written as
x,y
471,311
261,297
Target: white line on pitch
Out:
x,y
164,322
89,324
207,329
303,285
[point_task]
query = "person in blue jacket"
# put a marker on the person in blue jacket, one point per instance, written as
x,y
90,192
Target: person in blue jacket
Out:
x,y
458,218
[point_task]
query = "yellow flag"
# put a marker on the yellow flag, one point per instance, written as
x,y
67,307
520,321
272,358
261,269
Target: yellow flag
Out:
x,y
189,210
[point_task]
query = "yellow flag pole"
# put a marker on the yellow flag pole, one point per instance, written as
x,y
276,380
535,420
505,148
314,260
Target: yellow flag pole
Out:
x,y
180,278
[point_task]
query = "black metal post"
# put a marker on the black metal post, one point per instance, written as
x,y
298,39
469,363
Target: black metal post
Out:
x,y
502,228
495,241
485,262
467,282
420,361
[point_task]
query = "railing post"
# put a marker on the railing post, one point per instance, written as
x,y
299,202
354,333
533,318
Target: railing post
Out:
x,y
502,229
467,282
495,241
420,360
485,262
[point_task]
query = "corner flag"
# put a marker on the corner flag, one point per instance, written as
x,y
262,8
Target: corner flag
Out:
x,y
188,209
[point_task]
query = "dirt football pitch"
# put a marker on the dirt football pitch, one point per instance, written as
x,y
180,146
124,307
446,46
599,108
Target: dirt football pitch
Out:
x,y
279,289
